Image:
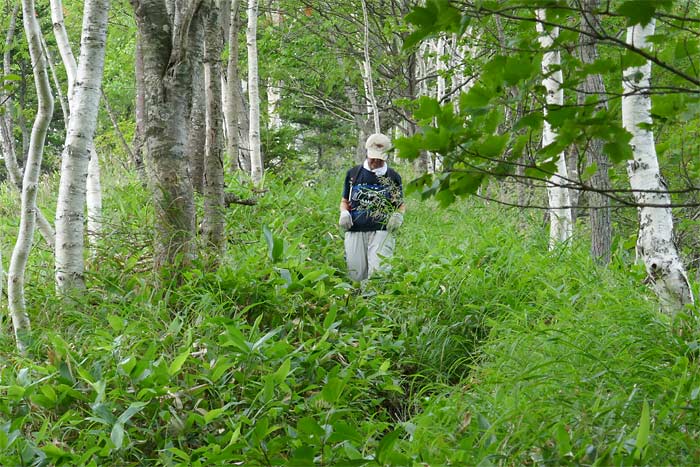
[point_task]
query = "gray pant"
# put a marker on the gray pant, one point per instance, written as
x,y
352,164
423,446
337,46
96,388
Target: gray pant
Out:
x,y
364,252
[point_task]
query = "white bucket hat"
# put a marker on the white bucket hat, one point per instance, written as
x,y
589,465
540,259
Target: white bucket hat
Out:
x,y
377,146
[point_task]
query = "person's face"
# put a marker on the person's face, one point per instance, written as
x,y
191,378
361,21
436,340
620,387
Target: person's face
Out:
x,y
375,164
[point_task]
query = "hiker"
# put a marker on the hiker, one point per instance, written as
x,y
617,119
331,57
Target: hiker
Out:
x,y
371,210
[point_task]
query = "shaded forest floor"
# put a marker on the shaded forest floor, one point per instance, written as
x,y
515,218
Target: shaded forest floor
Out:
x,y
479,347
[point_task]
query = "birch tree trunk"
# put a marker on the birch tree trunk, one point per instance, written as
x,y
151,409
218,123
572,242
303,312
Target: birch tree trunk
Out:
x,y
7,141
601,225
232,108
655,241
244,131
20,253
166,74
561,226
93,193
83,105
367,75
274,89
256,161
214,164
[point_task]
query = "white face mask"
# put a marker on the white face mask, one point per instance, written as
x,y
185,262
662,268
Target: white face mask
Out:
x,y
380,172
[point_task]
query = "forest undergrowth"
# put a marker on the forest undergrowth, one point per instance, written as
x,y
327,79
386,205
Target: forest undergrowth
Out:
x,y
478,347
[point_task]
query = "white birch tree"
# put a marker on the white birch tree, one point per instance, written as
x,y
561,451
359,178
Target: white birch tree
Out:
x,y
30,182
274,89
93,195
367,72
7,142
655,240
83,105
561,224
256,159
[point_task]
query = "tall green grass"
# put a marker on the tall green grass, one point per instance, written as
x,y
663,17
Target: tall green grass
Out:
x,y
478,346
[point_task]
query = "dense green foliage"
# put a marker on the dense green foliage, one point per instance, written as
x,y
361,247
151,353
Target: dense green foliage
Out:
x,y
478,347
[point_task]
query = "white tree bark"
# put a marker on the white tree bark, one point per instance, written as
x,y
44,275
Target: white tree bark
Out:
x,y
274,90
7,142
561,224
30,182
83,104
94,189
367,75
440,67
256,161
655,240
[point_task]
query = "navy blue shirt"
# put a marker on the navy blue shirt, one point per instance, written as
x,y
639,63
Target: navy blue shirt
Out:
x,y
373,198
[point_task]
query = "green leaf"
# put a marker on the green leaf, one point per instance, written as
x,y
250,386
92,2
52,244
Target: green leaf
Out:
x,y
176,364
589,171
563,440
408,148
132,410
637,11
422,17
332,390
493,145
428,108
618,151
116,322
310,427
465,183
117,435
385,446
330,317
283,371
632,59
686,48
477,97
275,246
642,440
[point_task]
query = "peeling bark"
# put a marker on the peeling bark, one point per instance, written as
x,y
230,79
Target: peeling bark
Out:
x,y
656,245
561,226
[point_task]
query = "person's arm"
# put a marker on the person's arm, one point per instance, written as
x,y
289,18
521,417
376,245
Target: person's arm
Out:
x,y
344,205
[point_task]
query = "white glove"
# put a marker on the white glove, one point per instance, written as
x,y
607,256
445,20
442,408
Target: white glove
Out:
x,y
345,221
394,222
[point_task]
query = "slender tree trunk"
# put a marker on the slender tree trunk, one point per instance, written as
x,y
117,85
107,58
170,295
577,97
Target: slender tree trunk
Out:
x,y
601,225
561,226
115,125
196,135
232,110
655,241
93,190
367,75
57,84
244,133
139,112
7,141
256,160
20,254
72,191
214,163
167,77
